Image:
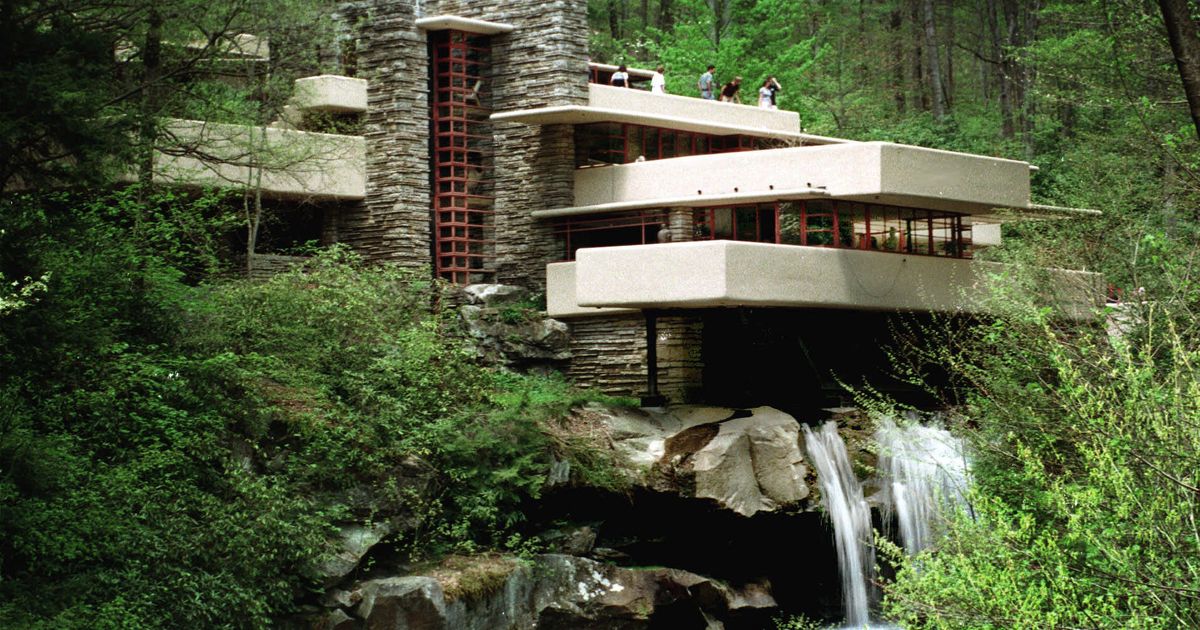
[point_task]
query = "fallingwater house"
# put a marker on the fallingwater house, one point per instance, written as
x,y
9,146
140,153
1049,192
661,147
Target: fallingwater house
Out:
x,y
696,249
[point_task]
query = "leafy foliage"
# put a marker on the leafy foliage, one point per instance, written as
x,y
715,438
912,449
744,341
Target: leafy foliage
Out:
x,y
1087,470
176,456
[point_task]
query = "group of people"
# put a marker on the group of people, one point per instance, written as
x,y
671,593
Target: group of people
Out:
x,y
658,82
729,93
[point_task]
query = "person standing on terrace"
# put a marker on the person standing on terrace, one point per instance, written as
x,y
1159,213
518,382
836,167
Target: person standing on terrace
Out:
x,y
731,92
658,83
766,93
707,83
620,78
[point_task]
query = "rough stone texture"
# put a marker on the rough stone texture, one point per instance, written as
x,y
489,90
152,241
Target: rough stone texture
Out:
x,y
337,620
402,603
746,460
542,62
521,338
575,541
351,544
393,223
752,464
557,592
510,607
494,295
679,222
507,328
609,354
267,265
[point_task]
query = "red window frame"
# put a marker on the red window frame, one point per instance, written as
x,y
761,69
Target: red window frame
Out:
x,y
463,178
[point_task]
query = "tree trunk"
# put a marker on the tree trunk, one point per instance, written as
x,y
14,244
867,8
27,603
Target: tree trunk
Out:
x,y
614,19
721,17
148,123
1013,73
932,61
1185,45
1000,71
949,40
897,38
644,14
920,96
666,16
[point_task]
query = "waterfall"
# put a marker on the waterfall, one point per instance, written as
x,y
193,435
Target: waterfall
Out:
x,y
923,475
842,497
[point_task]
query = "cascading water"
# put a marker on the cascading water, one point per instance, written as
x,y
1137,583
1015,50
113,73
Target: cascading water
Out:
x,y
923,475
843,499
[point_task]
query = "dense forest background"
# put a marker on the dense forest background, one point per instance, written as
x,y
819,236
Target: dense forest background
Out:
x,y
177,443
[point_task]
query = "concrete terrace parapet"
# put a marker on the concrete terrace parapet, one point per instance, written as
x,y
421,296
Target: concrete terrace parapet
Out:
x,y
294,164
871,172
561,299
712,274
331,93
662,105
606,103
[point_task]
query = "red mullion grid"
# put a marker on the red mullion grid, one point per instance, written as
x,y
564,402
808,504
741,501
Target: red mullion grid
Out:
x,y
777,209
929,231
458,225
571,225
837,232
866,240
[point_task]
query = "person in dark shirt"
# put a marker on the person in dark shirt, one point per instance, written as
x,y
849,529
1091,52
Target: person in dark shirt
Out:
x,y
729,91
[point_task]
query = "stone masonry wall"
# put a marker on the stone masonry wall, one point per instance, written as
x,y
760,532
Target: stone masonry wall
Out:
x,y
393,223
609,354
541,63
679,223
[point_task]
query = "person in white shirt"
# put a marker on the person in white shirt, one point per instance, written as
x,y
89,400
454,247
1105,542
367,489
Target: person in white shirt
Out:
x,y
658,83
766,93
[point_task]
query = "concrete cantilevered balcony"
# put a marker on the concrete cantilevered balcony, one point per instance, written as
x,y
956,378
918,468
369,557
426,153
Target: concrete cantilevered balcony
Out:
x,y
668,111
293,164
713,274
870,172
331,93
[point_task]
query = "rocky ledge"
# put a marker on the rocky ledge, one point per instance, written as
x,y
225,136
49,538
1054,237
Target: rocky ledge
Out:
x,y
549,592
745,460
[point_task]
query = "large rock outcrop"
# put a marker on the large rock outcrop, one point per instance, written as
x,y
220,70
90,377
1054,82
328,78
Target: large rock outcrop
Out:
x,y
746,460
549,592
507,328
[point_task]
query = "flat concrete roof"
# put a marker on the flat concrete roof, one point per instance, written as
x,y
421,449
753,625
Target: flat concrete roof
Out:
x,y
468,25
